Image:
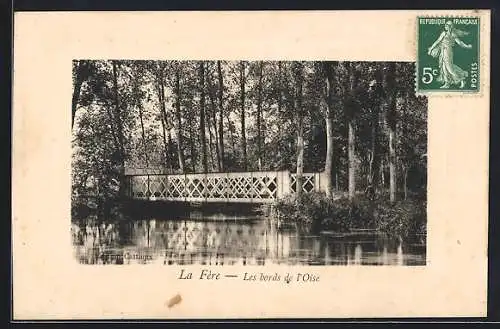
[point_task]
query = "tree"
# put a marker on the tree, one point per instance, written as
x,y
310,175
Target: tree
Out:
x,y
376,102
259,115
242,104
202,116
329,98
119,126
81,71
361,122
221,113
298,75
351,109
178,115
391,117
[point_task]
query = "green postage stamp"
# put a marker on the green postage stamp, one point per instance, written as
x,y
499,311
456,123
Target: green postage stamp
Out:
x,y
448,54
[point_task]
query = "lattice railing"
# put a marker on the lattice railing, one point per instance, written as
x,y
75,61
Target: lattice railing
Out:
x,y
236,187
308,182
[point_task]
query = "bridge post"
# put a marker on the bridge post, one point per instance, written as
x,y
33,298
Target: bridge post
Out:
x,y
317,182
283,183
148,193
184,190
251,187
205,187
166,187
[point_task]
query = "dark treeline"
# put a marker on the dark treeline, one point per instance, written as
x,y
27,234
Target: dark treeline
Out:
x,y
359,122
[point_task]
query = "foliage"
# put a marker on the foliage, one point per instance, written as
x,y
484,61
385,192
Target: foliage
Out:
x,y
314,211
147,114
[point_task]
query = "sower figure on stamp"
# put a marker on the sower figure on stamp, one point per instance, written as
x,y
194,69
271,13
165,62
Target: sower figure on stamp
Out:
x,y
442,48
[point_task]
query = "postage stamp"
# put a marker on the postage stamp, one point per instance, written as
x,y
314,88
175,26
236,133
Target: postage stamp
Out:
x,y
448,54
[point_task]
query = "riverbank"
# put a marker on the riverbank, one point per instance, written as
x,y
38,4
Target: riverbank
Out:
x,y
315,212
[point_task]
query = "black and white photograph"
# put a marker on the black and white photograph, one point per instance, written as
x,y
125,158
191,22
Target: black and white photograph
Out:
x,y
248,162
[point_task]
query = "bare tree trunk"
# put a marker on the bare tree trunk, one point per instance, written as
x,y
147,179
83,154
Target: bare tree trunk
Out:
x,y
374,168
216,140
79,78
163,114
392,164
221,115
329,154
231,135
202,117
210,146
212,123
351,134
119,125
405,178
259,114
300,128
165,143
143,136
192,148
300,155
382,174
242,104
280,103
352,164
169,149
390,86
180,143
329,127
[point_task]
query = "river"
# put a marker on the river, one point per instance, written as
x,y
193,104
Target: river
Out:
x,y
226,240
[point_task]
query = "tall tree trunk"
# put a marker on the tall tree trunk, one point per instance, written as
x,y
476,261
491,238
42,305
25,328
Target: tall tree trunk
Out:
x,y
382,174
329,127
202,117
351,108
210,146
163,115
231,134
242,104
352,164
259,115
165,143
378,107
391,123
169,149
212,123
192,148
143,132
374,168
178,116
216,140
119,126
392,164
221,115
79,78
300,155
300,127
405,178
280,104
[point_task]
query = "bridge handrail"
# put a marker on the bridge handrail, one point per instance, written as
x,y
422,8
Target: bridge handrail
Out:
x,y
250,186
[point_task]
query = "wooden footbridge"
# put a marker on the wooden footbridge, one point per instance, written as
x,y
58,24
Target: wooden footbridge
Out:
x,y
244,187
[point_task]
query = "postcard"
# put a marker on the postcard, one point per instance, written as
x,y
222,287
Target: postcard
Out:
x,y
260,164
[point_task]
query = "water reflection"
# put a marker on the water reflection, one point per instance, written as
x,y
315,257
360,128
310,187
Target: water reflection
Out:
x,y
235,241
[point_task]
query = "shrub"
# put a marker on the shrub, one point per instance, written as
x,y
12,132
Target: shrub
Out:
x,y
315,211
402,218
